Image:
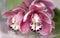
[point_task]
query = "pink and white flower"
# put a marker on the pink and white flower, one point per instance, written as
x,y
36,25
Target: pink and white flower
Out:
x,y
34,15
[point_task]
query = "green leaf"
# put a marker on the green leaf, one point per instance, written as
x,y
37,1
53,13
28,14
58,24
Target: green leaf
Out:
x,y
12,3
57,18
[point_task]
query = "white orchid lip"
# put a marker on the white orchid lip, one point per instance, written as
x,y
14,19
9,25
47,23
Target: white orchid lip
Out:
x,y
36,25
14,25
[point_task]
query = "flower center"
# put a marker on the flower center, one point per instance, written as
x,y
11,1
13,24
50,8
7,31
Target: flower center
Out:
x,y
36,25
14,25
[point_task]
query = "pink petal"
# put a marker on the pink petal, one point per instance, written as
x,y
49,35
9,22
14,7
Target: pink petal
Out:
x,y
36,7
44,17
53,24
46,29
9,13
25,27
9,21
18,18
21,8
50,13
49,3
28,16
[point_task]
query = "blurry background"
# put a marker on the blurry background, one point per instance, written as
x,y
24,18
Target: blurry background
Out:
x,y
5,33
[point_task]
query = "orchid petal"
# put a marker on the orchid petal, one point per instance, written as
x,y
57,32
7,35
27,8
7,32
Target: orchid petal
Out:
x,y
9,21
49,4
37,7
46,29
21,8
50,13
27,16
53,24
18,18
44,17
9,13
25,27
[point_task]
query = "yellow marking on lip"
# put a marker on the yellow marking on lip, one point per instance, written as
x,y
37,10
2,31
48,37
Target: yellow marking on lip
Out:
x,y
14,25
35,20
35,23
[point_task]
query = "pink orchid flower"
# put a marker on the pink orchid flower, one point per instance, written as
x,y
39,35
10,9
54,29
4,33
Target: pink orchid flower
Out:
x,y
32,15
15,16
44,5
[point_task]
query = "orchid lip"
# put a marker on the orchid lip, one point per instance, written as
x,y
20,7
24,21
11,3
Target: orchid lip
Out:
x,y
36,25
14,25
